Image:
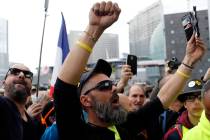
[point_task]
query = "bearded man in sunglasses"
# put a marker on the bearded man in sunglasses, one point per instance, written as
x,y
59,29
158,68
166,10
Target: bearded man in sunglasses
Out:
x,y
16,124
97,95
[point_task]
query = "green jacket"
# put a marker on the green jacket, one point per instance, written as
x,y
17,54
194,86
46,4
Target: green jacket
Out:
x,y
199,132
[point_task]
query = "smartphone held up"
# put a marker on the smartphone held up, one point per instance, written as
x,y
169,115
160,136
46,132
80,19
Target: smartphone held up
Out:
x,y
190,23
132,61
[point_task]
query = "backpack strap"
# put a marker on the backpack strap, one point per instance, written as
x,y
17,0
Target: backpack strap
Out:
x,y
174,133
163,115
179,130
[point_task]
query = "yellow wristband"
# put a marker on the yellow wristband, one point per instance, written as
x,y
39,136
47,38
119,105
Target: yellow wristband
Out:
x,y
84,46
182,74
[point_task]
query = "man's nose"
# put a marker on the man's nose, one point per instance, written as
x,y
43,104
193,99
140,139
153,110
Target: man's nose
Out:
x,y
138,99
197,100
21,75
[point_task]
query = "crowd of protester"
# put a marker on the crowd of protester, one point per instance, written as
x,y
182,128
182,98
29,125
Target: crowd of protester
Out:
x,y
91,106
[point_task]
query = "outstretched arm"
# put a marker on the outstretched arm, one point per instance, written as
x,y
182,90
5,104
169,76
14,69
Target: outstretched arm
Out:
x,y
194,51
101,16
67,105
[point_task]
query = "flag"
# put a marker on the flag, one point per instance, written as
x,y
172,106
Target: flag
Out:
x,y
62,52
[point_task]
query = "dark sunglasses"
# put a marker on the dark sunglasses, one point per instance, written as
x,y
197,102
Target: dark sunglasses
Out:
x,y
102,86
16,71
192,98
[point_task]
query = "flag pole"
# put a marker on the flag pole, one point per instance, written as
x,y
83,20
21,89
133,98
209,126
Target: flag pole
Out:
x,y
40,55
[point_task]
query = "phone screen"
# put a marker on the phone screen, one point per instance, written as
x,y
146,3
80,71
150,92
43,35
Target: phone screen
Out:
x,y
132,61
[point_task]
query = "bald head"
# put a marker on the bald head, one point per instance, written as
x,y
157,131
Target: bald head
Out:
x,y
20,66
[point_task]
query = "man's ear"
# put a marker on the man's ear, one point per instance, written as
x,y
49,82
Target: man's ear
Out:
x,y
85,100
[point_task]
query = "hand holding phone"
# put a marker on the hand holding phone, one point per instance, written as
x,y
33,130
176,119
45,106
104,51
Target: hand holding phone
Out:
x,y
132,61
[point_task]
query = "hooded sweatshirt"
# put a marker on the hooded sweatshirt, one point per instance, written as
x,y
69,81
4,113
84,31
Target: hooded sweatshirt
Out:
x,y
181,127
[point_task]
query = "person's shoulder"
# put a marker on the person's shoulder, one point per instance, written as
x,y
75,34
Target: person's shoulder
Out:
x,y
154,102
151,109
59,83
175,132
63,87
1,99
8,107
5,101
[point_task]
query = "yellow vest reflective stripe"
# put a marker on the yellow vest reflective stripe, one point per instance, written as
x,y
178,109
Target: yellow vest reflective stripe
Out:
x,y
113,129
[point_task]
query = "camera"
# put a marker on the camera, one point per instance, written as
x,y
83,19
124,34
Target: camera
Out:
x,y
173,64
190,23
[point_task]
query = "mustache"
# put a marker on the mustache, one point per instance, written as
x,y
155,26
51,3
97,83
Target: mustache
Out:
x,y
22,82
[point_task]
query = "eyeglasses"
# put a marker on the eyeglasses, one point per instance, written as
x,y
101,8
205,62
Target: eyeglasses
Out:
x,y
16,71
193,97
102,86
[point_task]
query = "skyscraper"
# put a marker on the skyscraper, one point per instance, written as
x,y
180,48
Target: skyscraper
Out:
x,y
4,56
106,47
142,27
158,34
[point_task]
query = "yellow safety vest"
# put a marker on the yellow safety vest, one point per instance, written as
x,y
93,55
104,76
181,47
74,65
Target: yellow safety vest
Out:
x,y
184,130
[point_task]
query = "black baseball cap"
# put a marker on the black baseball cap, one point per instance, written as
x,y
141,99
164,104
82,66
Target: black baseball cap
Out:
x,y
101,66
193,86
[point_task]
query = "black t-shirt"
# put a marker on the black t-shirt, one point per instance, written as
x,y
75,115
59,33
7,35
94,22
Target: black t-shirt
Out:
x,y
10,121
12,127
32,129
146,118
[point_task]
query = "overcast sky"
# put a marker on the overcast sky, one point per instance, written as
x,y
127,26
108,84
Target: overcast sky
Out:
x,y
26,19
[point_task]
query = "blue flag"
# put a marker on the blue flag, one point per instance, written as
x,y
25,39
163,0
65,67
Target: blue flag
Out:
x,y
63,40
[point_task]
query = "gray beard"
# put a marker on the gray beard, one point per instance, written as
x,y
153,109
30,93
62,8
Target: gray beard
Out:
x,y
107,113
20,96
